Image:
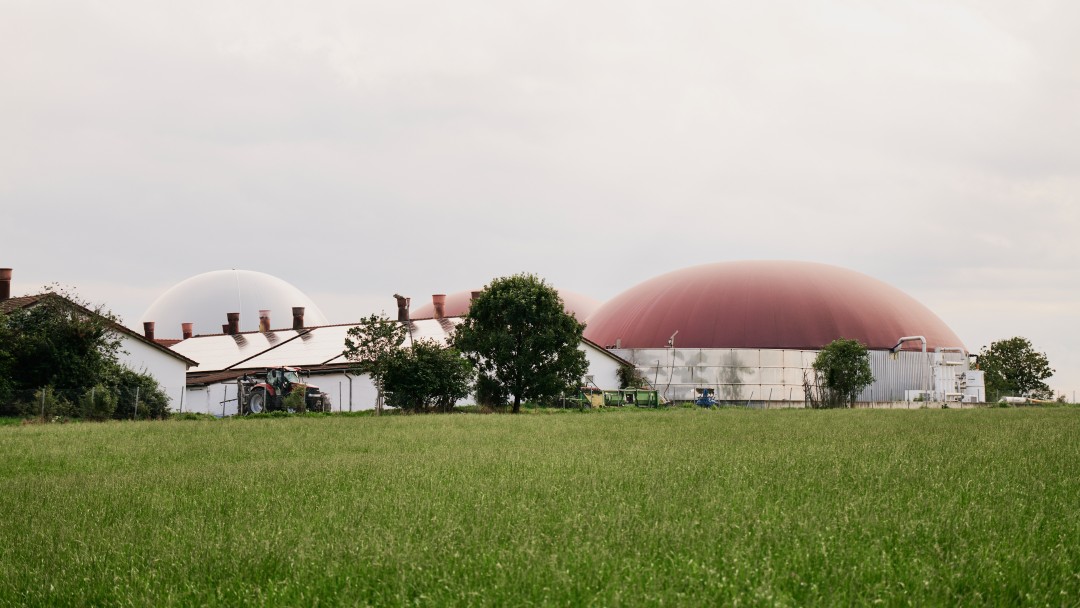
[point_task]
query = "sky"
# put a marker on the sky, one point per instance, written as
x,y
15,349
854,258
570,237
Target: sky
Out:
x,y
359,149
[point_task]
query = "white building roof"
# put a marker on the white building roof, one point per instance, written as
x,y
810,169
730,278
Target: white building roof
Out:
x,y
299,348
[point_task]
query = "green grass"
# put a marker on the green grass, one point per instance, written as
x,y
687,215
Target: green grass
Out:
x,y
684,507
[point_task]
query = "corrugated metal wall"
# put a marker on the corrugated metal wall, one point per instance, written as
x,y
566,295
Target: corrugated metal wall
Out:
x,y
772,375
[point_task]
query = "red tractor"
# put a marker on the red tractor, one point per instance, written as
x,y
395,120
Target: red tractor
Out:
x,y
272,392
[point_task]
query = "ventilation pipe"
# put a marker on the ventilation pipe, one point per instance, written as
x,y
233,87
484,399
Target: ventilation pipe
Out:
x,y
234,322
5,284
909,339
148,329
264,321
402,308
438,301
186,329
298,318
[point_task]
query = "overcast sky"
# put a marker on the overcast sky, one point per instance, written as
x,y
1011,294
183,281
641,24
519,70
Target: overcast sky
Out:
x,y
358,149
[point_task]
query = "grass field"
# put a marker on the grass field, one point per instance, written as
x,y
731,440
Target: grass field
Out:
x,y
684,507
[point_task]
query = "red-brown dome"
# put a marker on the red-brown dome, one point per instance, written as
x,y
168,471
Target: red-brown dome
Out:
x,y
765,304
457,304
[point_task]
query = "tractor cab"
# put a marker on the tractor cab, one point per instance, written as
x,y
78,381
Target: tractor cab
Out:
x,y
282,379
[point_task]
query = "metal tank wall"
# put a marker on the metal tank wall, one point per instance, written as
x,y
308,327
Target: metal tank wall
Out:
x,y
773,375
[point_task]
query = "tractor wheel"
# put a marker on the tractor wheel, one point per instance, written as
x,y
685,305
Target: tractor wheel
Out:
x,y
257,403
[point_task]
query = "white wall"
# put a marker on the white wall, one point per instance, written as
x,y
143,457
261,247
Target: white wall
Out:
x,y
603,368
773,374
170,372
220,399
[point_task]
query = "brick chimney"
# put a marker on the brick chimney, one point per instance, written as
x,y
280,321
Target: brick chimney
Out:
x,y
438,302
264,321
148,330
5,284
234,322
186,329
402,308
298,317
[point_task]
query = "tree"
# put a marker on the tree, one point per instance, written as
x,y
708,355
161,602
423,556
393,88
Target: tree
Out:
x,y
630,377
841,372
60,348
1014,368
426,376
371,344
520,337
59,341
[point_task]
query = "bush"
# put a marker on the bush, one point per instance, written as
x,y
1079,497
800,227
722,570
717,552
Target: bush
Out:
x,y
47,401
295,401
630,377
841,372
131,386
490,393
427,375
97,403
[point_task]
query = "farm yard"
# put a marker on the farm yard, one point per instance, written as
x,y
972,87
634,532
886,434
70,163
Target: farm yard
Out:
x,y
611,507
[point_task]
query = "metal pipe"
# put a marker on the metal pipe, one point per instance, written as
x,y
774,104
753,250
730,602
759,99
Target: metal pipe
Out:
x,y
909,339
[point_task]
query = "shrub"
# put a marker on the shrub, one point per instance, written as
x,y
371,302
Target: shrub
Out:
x,y
295,400
427,375
841,372
630,377
48,403
97,403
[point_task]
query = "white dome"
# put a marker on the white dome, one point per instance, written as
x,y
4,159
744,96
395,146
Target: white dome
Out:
x,y
205,299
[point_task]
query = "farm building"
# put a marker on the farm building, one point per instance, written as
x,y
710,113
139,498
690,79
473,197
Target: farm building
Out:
x,y
746,331
316,347
749,332
139,352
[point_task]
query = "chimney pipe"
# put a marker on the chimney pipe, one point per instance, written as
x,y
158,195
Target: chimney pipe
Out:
x,y
5,284
264,321
402,308
186,329
298,317
148,329
234,322
438,301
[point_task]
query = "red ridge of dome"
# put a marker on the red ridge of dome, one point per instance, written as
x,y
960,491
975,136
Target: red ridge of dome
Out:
x,y
765,304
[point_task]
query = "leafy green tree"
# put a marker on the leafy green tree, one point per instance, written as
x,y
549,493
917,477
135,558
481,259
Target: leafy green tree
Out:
x,y
841,372
518,334
630,377
427,376
59,341
60,348
371,344
1014,368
